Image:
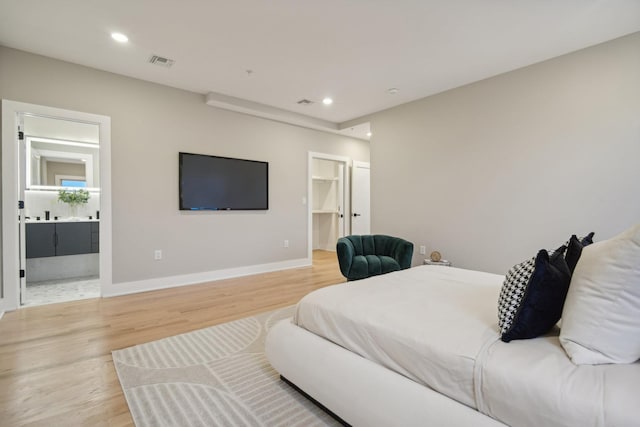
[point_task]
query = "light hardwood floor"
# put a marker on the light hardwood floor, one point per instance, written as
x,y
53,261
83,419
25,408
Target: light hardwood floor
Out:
x,y
55,360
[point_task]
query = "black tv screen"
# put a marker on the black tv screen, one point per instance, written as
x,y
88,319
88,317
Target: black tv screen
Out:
x,y
222,183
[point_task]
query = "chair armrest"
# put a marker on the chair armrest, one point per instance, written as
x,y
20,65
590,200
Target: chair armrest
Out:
x,y
403,253
346,252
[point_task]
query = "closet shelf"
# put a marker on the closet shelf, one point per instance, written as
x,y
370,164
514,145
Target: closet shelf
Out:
x,y
324,178
324,211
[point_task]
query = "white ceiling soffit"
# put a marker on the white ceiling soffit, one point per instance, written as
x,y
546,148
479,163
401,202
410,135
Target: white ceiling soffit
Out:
x,y
351,50
360,131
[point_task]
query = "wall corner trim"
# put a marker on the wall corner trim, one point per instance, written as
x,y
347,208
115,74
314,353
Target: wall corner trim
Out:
x,y
126,288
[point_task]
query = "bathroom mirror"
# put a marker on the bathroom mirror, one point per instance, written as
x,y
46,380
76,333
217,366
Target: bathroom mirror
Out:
x,y
54,164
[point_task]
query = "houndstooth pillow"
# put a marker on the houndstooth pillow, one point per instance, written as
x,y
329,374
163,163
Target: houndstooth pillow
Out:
x,y
513,289
532,296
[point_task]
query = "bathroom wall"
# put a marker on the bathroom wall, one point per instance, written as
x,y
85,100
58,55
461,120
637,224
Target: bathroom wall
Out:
x,y
65,169
39,201
71,267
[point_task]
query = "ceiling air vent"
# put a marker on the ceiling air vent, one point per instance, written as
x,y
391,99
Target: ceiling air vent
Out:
x,y
159,60
305,102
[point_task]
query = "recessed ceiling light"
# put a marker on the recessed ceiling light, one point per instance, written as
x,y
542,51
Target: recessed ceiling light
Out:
x,y
327,101
119,37
392,91
369,134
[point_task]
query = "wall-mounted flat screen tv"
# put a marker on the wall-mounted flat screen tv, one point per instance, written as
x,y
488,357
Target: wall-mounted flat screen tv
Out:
x,y
222,183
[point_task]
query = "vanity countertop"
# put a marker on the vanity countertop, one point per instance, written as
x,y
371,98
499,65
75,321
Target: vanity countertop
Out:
x,y
34,221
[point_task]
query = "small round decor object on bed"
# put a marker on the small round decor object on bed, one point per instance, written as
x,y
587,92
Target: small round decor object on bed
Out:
x,y
435,256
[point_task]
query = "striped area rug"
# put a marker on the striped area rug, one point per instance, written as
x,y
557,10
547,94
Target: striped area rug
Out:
x,y
217,376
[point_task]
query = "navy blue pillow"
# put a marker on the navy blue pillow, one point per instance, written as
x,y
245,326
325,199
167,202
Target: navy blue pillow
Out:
x,y
541,304
574,249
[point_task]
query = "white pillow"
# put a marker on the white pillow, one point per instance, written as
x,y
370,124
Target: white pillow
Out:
x,y
601,315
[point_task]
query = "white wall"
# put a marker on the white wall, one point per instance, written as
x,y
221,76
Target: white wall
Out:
x,y
39,201
491,172
150,124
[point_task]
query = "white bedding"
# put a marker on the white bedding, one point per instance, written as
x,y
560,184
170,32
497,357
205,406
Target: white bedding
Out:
x,y
427,323
534,383
438,327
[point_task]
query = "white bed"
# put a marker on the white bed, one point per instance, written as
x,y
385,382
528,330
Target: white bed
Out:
x,y
421,346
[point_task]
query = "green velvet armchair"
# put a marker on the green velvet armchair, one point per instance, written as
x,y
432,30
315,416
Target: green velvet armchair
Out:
x,y
363,256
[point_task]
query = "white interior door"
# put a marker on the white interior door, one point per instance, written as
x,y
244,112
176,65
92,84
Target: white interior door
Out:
x,y
361,199
341,202
12,212
21,215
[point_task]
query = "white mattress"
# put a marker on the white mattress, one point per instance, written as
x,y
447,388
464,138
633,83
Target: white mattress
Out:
x,y
360,391
534,383
428,323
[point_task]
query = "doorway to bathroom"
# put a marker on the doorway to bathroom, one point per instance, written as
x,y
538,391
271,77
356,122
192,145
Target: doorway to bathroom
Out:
x,y
56,172
60,185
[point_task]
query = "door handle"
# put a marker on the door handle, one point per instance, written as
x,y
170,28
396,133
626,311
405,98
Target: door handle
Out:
x,y
357,214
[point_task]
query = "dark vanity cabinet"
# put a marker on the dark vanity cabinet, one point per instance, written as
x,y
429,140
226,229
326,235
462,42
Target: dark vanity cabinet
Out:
x,y
41,240
61,238
95,237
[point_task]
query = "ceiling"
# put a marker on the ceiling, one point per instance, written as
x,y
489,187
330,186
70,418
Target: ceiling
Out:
x,y
351,50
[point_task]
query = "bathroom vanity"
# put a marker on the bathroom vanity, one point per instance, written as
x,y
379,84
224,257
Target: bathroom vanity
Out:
x,y
61,249
60,238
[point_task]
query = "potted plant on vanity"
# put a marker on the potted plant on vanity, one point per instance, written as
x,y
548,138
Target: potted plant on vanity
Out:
x,y
73,198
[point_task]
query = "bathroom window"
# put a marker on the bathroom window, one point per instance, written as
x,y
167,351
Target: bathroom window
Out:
x,y
72,183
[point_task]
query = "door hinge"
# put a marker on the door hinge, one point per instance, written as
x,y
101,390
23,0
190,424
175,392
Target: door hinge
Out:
x,y
20,204
20,135
22,274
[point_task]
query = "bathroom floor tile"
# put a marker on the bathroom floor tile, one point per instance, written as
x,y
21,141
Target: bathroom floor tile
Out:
x,y
62,290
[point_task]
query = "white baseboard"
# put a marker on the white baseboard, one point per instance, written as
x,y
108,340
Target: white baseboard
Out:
x,y
1,314
127,288
328,249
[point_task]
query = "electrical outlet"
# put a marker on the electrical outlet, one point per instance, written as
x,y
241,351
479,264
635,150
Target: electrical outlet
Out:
x,y
423,250
157,254
286,243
